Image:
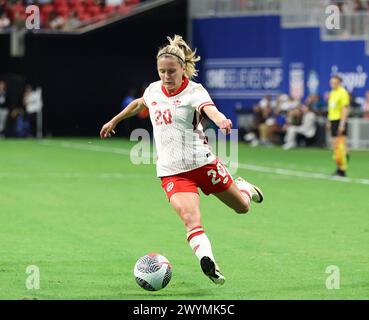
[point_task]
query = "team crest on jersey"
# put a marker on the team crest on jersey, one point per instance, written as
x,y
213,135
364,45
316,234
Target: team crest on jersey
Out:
x,y
177,103
170,186
154,103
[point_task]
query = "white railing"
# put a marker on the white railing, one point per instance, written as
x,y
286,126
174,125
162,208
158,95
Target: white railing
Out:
x,y
358,133
302,13
206,8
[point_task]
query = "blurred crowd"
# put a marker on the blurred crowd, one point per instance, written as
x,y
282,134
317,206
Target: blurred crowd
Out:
x,y
19,119
290,123
62,14
351,6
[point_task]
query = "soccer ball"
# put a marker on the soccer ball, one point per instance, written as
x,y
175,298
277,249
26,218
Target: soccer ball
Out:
x,y
152,272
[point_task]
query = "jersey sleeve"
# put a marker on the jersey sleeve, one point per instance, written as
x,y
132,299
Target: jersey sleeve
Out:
x,y
201,98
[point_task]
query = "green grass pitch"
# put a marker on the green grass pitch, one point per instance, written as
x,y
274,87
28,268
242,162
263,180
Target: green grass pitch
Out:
x,y
81,212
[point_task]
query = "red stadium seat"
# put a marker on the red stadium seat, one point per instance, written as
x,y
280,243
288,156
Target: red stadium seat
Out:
x,y
17,8
84,17
132,2
44,18
124,9
60,3
62,10
79,9
109,9
75,3
47,8
94,10
90,3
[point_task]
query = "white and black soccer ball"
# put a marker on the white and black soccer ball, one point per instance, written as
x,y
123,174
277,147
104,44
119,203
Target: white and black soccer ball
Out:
x,y
152,272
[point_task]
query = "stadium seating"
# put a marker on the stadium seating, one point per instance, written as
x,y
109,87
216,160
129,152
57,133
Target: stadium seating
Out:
x,y
86,11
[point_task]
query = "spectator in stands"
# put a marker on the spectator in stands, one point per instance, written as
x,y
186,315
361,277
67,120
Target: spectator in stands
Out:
x,y
267,115
32,101
306,129
315,104
18,20
275,127
4,107
19,126
57,15
258,133
4,21
72,22
3,6
342,6
253,133
358,6
56,22
287,103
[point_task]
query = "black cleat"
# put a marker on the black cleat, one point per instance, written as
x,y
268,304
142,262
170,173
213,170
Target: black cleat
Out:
x,y
211,270
339,173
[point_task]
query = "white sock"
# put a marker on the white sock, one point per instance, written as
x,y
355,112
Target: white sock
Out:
x,y
199,243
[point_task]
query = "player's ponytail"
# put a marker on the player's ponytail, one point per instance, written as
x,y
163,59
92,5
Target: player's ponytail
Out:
x,y
186,57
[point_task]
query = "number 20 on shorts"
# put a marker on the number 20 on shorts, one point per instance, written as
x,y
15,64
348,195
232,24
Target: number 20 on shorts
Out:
x,y
221,172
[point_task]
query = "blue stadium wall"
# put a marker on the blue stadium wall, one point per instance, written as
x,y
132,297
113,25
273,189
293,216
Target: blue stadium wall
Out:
x,y
245,58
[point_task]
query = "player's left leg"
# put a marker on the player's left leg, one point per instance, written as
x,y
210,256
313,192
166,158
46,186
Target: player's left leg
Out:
x,y
214,178
340,154
239,195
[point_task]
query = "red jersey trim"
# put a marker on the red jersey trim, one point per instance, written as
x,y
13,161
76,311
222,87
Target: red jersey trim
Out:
x,y
205,104
183,86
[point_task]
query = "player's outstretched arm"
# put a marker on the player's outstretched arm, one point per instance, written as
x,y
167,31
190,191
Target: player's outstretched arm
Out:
x,y
224,124
132,109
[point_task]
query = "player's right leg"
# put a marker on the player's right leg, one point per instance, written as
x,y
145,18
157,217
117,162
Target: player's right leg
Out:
x,y
182,194
187,205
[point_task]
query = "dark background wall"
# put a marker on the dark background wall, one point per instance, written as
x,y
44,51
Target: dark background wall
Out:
x,y
84,78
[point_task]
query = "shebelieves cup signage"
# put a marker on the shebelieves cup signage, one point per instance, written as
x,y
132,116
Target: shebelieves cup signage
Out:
x,y
237,78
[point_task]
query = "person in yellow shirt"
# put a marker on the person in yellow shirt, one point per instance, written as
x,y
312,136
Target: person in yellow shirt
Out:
x,y
338,110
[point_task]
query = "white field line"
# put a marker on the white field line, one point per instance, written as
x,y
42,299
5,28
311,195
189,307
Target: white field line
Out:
x,y
67,175
251,167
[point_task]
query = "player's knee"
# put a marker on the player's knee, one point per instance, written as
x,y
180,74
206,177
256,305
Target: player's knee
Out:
x,y
189,218
242,208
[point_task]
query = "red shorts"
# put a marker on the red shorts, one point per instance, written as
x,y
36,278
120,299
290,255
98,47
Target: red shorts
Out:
x,y
211,178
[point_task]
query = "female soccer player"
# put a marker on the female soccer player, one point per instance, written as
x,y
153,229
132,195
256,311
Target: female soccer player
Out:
x,y
185,161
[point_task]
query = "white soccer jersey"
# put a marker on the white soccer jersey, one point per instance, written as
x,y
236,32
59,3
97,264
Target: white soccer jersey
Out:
x,y
178,133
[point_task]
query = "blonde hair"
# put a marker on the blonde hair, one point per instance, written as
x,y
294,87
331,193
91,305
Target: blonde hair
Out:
x,y
178,48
